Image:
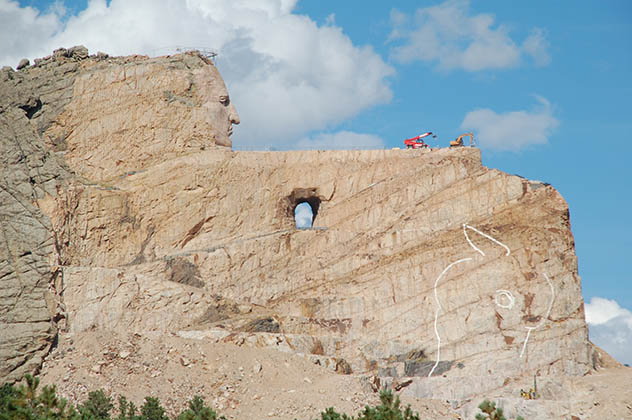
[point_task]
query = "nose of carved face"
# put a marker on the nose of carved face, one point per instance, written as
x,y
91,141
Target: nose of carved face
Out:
x,y
233,116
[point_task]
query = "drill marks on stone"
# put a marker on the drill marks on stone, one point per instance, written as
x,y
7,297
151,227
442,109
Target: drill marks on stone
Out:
x,y
504,295
469,241
548,312
445,270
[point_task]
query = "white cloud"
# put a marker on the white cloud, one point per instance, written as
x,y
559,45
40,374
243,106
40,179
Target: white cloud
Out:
x,y
342,140
511,130
303,215
536,45
447,34
23,29
287,75
610,327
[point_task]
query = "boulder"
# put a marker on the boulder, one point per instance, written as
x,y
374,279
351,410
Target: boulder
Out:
x,y
23,63
78,52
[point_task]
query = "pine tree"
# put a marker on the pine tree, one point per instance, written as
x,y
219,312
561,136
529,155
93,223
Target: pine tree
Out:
x,y
152,410
97,406
491,412
389,409
199,411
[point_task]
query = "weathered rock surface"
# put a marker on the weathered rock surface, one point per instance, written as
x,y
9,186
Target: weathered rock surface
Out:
x,y
421,264
149,110
64,108
363,287
29,171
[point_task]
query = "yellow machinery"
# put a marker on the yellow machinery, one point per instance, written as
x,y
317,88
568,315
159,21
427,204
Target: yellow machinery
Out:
x,y
532,393
459,140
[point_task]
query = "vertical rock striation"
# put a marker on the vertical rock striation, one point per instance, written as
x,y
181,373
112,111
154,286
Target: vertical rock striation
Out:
x,y
29,171
421,264
71,107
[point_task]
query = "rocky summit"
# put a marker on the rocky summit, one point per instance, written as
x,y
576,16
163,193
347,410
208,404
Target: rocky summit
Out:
x,y
125,213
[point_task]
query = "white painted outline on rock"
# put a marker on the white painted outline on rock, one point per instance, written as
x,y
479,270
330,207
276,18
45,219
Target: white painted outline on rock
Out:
x,y
508,295
529,329
469,241
445,270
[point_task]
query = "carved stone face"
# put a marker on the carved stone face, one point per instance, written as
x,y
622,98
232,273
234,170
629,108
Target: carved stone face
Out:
x,y
135,113
216,104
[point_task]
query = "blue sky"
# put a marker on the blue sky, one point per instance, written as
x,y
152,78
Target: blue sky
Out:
x,y
544,85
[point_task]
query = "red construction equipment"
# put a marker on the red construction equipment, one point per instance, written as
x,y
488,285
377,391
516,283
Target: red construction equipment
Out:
x,y
417,142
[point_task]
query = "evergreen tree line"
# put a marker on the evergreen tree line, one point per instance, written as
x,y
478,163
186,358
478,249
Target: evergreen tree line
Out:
x,y
27,402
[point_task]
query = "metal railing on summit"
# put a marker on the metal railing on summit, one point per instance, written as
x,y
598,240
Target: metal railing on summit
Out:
x,y
209,53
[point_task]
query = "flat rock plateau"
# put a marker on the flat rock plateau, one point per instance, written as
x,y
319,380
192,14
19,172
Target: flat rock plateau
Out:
x,y
141,255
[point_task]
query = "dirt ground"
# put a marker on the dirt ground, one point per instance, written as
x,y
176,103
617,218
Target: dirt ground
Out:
x,y
605,394
238,382
251,383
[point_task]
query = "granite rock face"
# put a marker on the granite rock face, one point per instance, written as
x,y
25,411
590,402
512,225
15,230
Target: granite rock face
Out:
x,y
29,273
64,108
149,110
421,264
464,272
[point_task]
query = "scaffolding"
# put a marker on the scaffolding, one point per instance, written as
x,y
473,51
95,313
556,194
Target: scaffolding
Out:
x,y
179,49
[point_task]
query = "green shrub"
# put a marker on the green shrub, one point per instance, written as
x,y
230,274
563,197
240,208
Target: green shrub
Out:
x,y
199,411
97,406
152,410
27,402
24,403
389,409
491,412
127,410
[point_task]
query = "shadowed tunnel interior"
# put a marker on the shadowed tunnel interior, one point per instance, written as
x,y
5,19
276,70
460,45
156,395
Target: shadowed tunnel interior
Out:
x,y
302,205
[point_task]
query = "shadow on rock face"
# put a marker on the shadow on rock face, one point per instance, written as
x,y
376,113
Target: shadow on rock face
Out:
x,y
184,272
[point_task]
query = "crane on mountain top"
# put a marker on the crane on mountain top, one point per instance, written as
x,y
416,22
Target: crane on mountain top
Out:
x,y
417,142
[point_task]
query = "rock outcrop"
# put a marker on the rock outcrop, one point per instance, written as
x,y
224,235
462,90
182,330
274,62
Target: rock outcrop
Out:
x,y
29,274
421,264
64,108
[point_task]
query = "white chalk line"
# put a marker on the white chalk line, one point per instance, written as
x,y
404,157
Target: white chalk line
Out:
x,y
508,295
524,346
529,329
469,241
445,270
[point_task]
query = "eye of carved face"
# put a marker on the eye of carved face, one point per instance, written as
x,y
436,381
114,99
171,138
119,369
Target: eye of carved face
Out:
x,y
224,100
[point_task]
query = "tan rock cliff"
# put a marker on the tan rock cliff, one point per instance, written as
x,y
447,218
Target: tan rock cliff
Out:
x,y
422,264
67,107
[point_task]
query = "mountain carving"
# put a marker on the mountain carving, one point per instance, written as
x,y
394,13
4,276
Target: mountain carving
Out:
x,y
124,209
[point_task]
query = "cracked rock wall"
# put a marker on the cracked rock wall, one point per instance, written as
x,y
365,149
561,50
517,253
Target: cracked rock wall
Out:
x,y
367,285
29,171
421,264
99,114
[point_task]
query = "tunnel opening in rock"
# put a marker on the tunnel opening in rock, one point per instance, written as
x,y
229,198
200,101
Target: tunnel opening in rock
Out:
x,y
303,215
302,206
